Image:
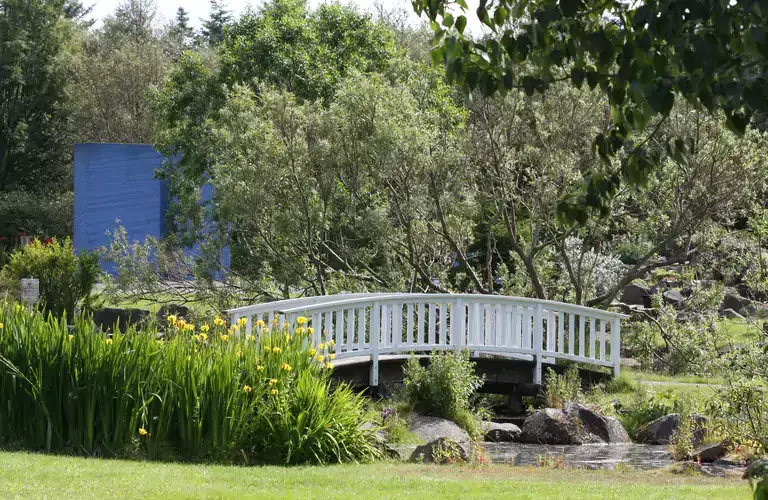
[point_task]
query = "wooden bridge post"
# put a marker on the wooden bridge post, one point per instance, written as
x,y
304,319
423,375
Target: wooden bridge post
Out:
x,y
616,347
375,333
537,343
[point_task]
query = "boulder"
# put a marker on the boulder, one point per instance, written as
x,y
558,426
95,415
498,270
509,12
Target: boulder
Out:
x,y
675,298
739,304
442,450
105,319
496,432
730,314
634,294
576,424
549,426
596,428
432,428
172,310
709,453
661,430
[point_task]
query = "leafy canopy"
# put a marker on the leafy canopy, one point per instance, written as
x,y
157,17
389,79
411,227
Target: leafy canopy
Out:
x,y
640,54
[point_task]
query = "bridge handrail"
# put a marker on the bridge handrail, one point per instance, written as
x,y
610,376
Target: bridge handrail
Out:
x,y
384,323
470,298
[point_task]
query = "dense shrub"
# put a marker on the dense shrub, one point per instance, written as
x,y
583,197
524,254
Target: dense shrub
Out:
x,y
561,388
207,395
66,278
444,388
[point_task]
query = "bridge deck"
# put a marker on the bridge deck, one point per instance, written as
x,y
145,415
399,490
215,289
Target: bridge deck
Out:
x,y
520,332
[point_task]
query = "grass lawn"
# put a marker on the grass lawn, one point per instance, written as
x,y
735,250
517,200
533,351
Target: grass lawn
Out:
x,y
24,475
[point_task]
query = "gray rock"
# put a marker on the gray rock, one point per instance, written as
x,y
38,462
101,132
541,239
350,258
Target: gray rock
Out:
x,y
635,294
596,428
730,314
106,319
739,304
442,450
378,434
661,430
675,298
709,453
549,426
496,432
432,428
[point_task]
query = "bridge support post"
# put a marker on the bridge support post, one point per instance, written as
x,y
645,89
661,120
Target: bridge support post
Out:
x,y
375,334
537,342
616,347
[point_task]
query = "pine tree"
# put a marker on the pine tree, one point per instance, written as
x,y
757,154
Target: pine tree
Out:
x,y
213,27
181,29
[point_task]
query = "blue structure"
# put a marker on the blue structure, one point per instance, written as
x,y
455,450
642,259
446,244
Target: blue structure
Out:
x,y
117,181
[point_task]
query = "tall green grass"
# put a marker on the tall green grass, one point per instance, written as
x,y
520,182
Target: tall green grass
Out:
x,y
214,395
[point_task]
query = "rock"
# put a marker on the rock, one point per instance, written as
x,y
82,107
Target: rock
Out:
x,y
432,428
730,314
661,430
396,452
634,294
576,424
739,304
709,453
172,310
596,428
378,434
549,426
629,363
442,450
675,298
106,318
496,432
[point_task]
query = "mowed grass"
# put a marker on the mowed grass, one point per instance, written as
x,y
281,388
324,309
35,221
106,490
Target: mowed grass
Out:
x,y
25,475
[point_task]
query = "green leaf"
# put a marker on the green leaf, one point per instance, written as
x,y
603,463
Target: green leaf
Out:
x,y
570,8
501,15
461,23
448,20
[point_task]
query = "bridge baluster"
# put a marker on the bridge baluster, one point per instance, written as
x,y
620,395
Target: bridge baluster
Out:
x,y
431,324
592,336
616,347
602,339
560,332
409,324
317,324
571,328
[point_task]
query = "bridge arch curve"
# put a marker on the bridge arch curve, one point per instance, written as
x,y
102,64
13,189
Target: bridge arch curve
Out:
x,y
372,325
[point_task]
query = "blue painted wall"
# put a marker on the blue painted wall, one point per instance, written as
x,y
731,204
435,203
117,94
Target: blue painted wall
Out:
x,y
117,181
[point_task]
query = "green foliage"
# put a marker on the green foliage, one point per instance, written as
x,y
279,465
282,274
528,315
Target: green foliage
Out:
x,y
681,442
559,389
758,479
642,63
66,278
443,388
645,406
212,395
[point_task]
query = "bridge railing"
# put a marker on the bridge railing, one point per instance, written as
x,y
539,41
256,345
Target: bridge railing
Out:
x,y
377,324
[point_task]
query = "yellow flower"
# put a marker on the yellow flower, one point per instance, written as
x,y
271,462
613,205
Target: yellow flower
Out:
x,y
247,388
142,431
321,346
311,330
274,392
196,338
224,337
299,330
287,337
331,356
265,331
108,341
259,368
320,358
233,329
218,321
260,324
285,325
180,323
329,366
1,325
301,320
276,321
190,327
204,336
171,319
70,337
286,367
249,338
238,353
277,350
333,342
242,322
205,327
273,381
312,352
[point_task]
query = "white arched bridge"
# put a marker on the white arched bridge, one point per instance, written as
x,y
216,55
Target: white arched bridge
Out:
x,y
371,325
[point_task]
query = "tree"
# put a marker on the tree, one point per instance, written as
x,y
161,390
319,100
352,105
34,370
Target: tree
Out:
x,y
34,120
213,27
119,65
181,29
640,55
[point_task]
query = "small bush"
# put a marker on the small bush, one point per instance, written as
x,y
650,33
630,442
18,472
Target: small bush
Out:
x,y
444,388
561,388
66,279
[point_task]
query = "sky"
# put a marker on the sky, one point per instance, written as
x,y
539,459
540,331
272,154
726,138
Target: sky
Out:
x,y
199,8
